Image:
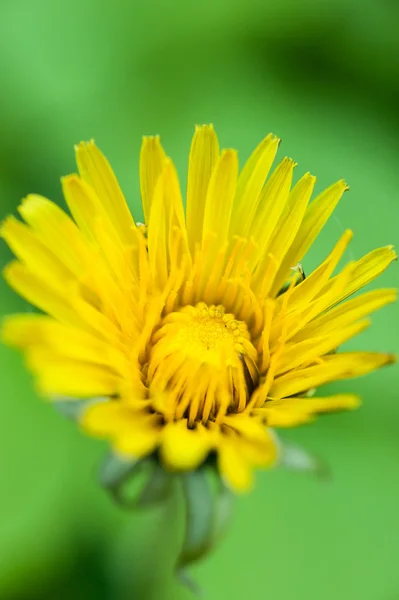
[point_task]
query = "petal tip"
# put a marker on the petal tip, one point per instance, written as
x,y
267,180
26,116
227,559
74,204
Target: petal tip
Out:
x,y
85,145
353,402
9,269
5,224
228,153
309,177
71,178
344,185
204,127
151,139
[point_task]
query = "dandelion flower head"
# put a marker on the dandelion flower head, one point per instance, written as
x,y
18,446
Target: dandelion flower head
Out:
x,y
196,333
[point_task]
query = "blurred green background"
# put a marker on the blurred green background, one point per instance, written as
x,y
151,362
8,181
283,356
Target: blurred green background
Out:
x,y
324,77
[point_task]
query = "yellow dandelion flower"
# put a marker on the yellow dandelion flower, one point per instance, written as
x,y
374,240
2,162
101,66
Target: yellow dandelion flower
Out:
x,y
195,331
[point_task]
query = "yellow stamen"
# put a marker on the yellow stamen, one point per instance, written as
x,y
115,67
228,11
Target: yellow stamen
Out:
x,y
221,357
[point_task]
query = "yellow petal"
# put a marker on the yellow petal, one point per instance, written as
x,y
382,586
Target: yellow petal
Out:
x,y
289,412
365,270
173,197
61,237
106,418
272,202
315,218
296,320
27,331
305,291
97,172
66,307
337,366
220,196
251,445
300,353
247,426
167,237
176,234
234,468
92,217
108,253
152,157
22,330
157,237
264,454
56,231
63,377
204,154
290,221
141,441
286,230
351,279
250,184
121,262
346,313
83,204
33,289
93,319
29,249
279,417
300,306
183,448
133,433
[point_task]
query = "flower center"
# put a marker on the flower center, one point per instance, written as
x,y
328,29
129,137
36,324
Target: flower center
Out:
x,y
202,363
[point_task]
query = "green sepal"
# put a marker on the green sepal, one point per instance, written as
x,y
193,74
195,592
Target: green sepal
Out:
x,y
118,472
115,471
74,409
157,487
223,511
299,273
199,516
298,459
207,515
